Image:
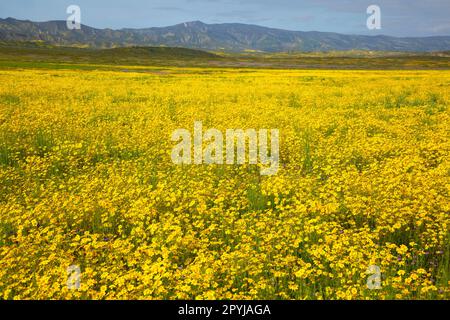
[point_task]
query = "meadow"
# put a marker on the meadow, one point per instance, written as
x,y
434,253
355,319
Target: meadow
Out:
x,y
86,179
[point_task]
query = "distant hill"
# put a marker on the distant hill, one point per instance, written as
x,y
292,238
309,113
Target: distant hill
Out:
x,y
39,52
233,37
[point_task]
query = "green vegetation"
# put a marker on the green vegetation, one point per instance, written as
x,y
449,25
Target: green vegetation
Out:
x,y
42,55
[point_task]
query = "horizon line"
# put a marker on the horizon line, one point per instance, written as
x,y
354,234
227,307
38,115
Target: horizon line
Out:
x,y
240,23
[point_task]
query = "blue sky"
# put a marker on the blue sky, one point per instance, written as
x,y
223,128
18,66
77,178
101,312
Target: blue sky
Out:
x,y
398,17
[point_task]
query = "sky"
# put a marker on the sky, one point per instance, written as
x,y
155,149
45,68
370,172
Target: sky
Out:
x,y
398,17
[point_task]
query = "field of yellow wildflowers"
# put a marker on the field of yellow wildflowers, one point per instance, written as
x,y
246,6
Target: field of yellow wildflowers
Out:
x,y
86,179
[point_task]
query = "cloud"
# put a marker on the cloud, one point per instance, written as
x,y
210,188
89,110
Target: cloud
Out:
x,y
441,28
169,9
236,13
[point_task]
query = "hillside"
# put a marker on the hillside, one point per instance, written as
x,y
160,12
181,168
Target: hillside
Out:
x,y
40,54
232,37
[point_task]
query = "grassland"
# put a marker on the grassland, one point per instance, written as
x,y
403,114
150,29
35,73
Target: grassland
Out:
x,y
40,55
86,179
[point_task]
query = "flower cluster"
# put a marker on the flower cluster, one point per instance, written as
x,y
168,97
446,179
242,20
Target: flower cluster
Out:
x,y
86,179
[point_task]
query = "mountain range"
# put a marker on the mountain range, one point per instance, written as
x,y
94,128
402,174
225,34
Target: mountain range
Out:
x,y
233,37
